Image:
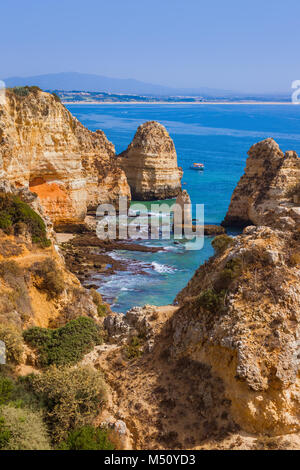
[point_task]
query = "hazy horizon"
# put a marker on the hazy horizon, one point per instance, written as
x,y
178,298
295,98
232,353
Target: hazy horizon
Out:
x,y
249,47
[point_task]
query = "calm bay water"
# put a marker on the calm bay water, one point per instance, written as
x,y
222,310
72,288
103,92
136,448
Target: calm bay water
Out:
x,y
218,136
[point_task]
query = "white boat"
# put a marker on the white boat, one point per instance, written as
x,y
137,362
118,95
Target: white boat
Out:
x,y
197,166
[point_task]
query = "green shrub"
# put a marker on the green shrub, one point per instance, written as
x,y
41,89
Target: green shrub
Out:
x,y
133,350
22,429
72,397
52,280
5,221
5,434
211,300
56,97
231,271
88,438
96,296
102,308
13,211
14,344
22,91
6,389
65,345
221,243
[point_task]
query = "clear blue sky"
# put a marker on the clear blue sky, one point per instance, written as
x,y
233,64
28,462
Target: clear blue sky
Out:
x,y
239,45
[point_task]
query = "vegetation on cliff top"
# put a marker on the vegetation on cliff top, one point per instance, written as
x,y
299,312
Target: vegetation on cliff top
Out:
x,y
16,214
65,345
48,277
22,429
71,397
221,243
88,438
22,91
43,409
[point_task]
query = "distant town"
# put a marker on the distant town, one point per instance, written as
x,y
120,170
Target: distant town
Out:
x,y
85,97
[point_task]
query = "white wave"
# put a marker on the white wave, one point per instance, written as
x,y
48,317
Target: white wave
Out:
x,y
162,268
115,256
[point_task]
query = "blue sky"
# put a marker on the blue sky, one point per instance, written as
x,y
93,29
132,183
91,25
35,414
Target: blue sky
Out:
x,y
238,45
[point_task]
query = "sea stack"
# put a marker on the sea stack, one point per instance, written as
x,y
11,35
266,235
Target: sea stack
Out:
x,y
150,164
269,190
183,200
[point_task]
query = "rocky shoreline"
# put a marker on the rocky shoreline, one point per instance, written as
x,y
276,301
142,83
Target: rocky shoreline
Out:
x,y
86,255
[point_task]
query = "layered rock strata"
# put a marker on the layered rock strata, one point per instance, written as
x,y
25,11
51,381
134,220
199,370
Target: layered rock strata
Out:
x,y
45,148
269,190
240,313
150,164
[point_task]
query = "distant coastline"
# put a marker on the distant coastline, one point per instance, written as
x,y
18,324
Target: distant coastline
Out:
x,y
181,102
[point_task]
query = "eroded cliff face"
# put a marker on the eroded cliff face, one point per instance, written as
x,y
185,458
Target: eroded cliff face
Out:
x,y
150,164
269,190
240,313
45,148
36,288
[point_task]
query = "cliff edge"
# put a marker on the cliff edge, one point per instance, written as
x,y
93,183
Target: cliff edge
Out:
x,y
268,193
44,148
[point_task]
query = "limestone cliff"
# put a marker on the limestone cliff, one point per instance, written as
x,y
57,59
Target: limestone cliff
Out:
x,y
269,190
240,313
36,288
150,164
45,148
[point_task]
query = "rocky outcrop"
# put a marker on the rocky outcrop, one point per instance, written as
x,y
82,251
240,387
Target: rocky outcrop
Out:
x,y
240,313
268,193
150,164
136,323
44,148
36,288
183,200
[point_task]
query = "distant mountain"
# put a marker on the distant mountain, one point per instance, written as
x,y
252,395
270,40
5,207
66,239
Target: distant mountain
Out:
x,y
71,81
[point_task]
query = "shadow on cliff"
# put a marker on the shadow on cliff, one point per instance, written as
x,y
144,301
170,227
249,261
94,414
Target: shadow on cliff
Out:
x,y
172,403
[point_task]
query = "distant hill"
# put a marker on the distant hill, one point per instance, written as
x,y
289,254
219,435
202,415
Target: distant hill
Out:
x,y
71,81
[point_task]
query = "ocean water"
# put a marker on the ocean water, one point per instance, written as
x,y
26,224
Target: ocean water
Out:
x,y
218,136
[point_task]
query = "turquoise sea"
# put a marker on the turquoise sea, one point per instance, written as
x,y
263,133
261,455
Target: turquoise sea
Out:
x,y
218,136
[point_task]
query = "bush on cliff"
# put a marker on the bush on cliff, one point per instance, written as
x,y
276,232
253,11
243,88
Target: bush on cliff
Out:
x,y
56,97
102,308
12,337
6,389
88,438
221,243
65,345
133,349
72,397
50,277
211,300
14,211
22,91
232,270
16,297
22,429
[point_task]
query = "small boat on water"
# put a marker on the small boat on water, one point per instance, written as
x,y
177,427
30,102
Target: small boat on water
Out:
x,y
197,166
